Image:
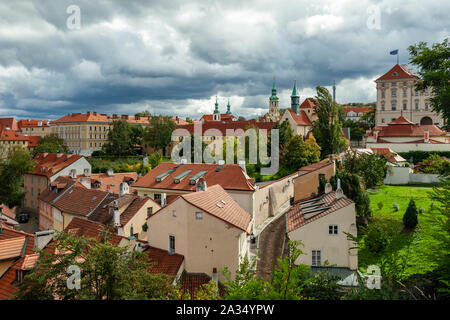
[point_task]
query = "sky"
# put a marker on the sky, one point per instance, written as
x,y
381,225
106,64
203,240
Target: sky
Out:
x,y
173,57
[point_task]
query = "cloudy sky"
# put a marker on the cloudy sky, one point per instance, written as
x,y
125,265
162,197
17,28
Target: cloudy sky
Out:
x,y
174,57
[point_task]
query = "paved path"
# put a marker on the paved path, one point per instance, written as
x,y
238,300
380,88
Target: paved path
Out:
x,y
270,247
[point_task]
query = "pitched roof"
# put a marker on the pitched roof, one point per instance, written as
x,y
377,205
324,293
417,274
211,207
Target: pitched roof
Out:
x,y
163,262
33,123
10,135
397,72
7,211
402,127
80,201
7,289
11,248
401,120
48,164
357,110
389,154
10,123
218,203
315,166
90,229
192,282
33,141
307,104
229,176
84,117
299,216
55,189
223,117
301,118
222,126
107,183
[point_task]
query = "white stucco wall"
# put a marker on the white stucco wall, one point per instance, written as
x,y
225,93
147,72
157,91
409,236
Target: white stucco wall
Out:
x,y
405,147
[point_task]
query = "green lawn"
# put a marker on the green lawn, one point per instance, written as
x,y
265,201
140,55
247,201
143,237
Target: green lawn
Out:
x,y
410,246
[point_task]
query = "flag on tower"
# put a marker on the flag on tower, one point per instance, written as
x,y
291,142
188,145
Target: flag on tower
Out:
x,y
394,52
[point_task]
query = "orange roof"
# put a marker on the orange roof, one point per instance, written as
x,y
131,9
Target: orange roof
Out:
x,y
10,135
223,117
307,104
301,118
315,166
28,262
101,181
402,127
33,141
90,229
7,289
79,200
222,126
229,176
33,123
357,109
163,261
10,123
7,211
50,164
397,72
83,117
218,203
11,248
298,215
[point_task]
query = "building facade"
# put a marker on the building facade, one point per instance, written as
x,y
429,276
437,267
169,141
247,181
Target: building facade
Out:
x,y
396,96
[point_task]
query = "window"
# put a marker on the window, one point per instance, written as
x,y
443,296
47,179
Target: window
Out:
x,y
333,229
417,106
171,244
157,196
416,93
404,84
382,94
394,107
174,213
426,106
382,106
394,93
149,211
315,258
404,92
199,215
404,106
394,84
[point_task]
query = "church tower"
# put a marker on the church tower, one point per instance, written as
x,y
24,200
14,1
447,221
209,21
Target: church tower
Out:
x,y
274,113
295,99
228,107
216,115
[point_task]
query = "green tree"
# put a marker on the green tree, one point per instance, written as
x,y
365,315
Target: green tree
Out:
x,y
119,140
410,217
145,113
155,159
327,129
285,134
107,272
136,134
300,153
371,167
434,64
159,134
51,143
369,118
12,169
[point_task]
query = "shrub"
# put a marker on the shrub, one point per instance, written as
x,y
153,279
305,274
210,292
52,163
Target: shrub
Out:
x,y
410,217
376,239
155,159
145,227
380,205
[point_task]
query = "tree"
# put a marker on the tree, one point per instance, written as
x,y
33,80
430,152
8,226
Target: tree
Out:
x,y
119,140
159,134
410,217
300,153
145,113
136,134
12,170
154,159
371,167
327,129
51,143
285,134
434,64
108,272
369,118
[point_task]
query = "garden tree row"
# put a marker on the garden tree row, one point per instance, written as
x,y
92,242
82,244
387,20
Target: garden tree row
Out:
x,y
12,170
51,143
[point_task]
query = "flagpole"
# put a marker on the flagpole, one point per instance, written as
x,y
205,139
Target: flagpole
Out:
x,y
398,54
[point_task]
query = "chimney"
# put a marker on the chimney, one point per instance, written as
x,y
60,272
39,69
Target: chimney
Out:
x,y
116,213
110,172
73,173
215,275
86,182
201,185
124,189
375,135
426,136
328,188
183,161
87,172
163,200
339,191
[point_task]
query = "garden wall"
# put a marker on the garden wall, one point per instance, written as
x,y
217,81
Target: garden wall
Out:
x,y
405,175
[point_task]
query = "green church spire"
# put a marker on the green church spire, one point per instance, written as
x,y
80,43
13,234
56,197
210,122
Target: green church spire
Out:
x,y
274,97
295,98
228,107
216,109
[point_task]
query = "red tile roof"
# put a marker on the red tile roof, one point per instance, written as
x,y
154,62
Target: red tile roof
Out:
x,y
163,262
84,117
90,229
357,110
222,126
223,117
307,104
402,127
389,154
7,211
296,216
301,118
10,135
107,183
229,176
192,282
7,289
50,164
33,123
316,166
10,123
80,201
397,72
33,141
218,203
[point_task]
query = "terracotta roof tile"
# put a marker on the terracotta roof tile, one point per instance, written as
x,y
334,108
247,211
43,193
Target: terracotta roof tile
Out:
x,y
222,126
163,262
10,123
33,123
307,104
50,164
217,202
10,135
90,229
296,217
301,118
230,177
397,72
80,201
11,248
7,211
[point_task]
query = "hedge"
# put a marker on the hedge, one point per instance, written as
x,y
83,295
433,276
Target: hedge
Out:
x,y
419,156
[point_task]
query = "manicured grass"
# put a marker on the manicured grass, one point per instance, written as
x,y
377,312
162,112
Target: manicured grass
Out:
x,y
411,246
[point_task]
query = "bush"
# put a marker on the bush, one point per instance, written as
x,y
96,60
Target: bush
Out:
x,y
410,217
376,239
380,205
155,159
419,156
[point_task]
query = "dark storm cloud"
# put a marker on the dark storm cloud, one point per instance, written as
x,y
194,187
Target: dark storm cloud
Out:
x,y
173,57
